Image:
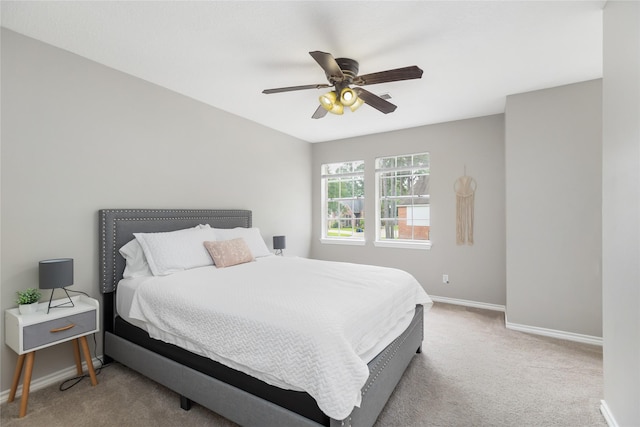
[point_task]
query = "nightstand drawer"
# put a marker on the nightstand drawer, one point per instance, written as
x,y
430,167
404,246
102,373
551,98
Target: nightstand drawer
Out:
x,y
58,329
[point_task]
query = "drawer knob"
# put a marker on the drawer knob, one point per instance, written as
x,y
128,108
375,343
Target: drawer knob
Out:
x,y
64,328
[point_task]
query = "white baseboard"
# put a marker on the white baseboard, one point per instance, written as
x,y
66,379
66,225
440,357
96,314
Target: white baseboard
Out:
x,y
47,380
467,303
570,336
606,413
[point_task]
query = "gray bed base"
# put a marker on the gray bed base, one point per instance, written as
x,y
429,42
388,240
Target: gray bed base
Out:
x,y
116,229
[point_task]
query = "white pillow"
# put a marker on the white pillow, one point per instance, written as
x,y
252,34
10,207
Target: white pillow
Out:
x,y
251,235
136,263
178,250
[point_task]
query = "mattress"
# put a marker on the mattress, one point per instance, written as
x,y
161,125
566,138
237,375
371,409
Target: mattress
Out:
x,y
294,323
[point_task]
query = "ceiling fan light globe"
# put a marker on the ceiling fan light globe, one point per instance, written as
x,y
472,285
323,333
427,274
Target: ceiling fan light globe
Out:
x,y
348,97
357,104
328,100
338,109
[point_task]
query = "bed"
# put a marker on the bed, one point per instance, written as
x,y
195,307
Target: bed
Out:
x,y
233,391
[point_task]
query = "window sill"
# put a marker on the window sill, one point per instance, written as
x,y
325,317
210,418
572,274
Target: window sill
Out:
x,y
402,244
351,242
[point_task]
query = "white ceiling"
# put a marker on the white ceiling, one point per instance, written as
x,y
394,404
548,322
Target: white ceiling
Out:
x,y
224,53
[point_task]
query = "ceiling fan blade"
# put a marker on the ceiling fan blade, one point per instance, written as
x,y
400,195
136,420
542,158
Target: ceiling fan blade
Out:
x,y
375,101
292,88
328,64
319,113
405,73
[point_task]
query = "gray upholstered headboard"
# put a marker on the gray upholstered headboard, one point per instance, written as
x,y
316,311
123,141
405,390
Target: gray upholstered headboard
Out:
x,y
117,226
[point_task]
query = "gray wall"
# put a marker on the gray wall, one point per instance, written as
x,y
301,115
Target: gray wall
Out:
x,y
78,137
477,272
553,192
621,211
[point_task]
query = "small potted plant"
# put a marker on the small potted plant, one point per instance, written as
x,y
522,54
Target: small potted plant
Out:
x,y
28,300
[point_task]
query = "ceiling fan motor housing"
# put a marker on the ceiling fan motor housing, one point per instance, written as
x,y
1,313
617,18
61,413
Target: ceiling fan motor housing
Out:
x,y
349,68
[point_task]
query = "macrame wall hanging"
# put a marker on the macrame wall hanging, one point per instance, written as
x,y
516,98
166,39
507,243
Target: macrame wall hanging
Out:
x,y
465,188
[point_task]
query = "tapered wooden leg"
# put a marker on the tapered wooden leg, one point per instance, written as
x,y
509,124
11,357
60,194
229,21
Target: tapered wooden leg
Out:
x,y
76,354
16,377
87,358
26,384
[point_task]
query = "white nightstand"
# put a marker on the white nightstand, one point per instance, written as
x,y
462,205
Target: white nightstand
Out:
x,y
26,334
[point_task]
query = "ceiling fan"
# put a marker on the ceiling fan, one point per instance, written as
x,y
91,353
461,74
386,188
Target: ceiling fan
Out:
x,y
343,72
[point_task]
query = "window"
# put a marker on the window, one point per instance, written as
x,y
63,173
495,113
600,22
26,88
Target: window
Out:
x,y
343,202
403,215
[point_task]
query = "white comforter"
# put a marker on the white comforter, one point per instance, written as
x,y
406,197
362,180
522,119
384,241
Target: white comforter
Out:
x,y
292,322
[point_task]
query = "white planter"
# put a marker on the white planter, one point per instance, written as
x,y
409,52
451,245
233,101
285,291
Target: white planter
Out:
x,y
28,308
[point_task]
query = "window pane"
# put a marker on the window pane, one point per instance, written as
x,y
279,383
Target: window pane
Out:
x,y
346,208
358,208
404,161
421,185
346,188
404,186
342,168
387,186
388,229
418,215
333,189
358,190
333,209
387,209
386,163
404,231
332,224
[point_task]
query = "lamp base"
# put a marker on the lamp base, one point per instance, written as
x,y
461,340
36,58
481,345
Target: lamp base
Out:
x,y
62,304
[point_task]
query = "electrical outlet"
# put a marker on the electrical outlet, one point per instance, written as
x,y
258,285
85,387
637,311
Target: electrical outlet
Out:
x,y
445,279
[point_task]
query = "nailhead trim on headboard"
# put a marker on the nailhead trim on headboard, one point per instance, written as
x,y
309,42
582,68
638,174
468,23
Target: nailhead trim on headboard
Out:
x,y
118,225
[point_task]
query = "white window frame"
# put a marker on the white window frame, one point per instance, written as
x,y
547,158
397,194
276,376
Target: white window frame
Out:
x,y
396,243
324,233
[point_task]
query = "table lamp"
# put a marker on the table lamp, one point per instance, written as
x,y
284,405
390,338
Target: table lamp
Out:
x,y
279,243
56,273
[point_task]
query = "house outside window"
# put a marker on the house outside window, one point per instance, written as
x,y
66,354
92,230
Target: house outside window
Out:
x,y
403,212
343,202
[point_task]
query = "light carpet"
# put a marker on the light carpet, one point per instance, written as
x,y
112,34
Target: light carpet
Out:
x,y
472,372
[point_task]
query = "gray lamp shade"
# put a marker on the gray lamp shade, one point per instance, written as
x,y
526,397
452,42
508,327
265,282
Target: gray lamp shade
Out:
x,y
56,273
279,242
